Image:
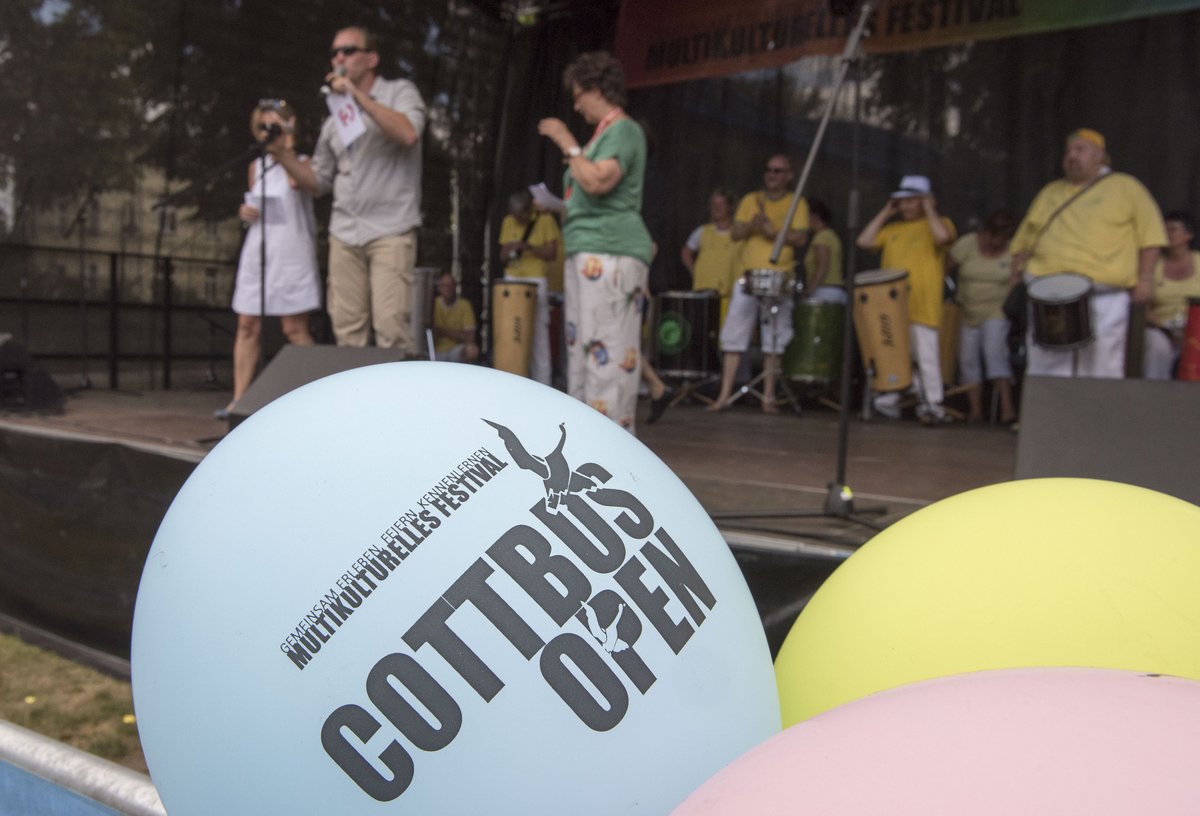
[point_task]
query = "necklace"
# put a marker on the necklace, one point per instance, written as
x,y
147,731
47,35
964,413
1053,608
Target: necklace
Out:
x,y
605,122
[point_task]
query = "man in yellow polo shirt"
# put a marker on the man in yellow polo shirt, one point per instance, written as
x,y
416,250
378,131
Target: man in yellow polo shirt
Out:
x,y
1112,233
529,242
917,243
757,222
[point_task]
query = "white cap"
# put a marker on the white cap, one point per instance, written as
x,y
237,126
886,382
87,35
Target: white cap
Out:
x,y
911,186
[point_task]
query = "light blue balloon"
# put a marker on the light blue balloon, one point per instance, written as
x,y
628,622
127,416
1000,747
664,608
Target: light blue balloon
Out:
x,y
436,588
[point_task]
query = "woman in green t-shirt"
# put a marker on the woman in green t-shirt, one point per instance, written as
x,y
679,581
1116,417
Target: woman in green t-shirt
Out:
x,y
608,247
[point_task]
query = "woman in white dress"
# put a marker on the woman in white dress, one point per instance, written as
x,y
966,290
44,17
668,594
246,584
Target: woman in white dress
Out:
x,y
292,285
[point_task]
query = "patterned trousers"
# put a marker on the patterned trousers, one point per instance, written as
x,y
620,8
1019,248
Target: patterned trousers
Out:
x,y
604,296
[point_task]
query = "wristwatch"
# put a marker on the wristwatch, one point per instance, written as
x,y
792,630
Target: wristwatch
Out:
x,y
573,151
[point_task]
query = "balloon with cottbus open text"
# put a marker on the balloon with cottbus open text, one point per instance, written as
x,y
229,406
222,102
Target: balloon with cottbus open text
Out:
x,y
436,588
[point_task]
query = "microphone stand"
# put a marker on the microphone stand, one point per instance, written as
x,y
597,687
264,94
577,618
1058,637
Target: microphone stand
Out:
x,y
839,500
262,255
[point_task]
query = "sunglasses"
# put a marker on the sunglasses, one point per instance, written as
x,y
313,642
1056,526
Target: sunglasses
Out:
x,y
272,104
345,51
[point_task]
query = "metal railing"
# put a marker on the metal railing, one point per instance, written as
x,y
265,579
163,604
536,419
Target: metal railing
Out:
x,y
148,309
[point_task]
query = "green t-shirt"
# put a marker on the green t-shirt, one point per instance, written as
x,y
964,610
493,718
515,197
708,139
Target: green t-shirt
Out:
x,y
610,224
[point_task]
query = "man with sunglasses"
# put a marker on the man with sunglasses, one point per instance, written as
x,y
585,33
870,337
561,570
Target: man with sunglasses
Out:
x,y
756,223
376,186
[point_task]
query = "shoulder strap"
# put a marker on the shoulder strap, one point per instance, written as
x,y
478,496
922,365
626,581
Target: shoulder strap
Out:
x,y
1063,206
529,228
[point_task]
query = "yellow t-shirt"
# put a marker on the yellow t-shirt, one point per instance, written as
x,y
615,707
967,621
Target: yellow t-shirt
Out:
x,y
1169,307
528,265
715,260
834,276
756,250
909,245
456,317
1098,235
982,280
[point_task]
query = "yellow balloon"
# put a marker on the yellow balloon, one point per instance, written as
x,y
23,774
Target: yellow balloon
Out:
x,y
1039,572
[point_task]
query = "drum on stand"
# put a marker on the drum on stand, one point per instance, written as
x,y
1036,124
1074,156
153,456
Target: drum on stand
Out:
x,y
1189,352
815,354
1061,319
514,305
685,334
881,324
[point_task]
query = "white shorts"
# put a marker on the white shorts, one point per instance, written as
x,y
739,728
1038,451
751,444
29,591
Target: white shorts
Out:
x,y
989,342
774,330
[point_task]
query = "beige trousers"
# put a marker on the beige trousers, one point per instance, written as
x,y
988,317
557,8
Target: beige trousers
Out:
x,y
370,287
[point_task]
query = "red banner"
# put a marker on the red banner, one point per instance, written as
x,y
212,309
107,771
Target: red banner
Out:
x,y
660,41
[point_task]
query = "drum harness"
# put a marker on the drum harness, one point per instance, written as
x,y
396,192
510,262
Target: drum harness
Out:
x,y
1074,197
1014,303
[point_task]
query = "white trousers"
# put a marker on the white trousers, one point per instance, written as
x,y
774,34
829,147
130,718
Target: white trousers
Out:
x,y
927,372
1158,361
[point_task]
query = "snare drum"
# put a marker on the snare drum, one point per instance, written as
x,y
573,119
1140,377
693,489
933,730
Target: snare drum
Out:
x,y
514,304
815,353
1189,354
1059,304
768,283
685,333
881,324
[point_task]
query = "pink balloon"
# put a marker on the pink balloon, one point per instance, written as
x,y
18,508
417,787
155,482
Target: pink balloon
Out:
x,y
1042,740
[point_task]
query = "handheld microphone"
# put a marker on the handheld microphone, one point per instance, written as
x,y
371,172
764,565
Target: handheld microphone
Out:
x,y
340,71
273,131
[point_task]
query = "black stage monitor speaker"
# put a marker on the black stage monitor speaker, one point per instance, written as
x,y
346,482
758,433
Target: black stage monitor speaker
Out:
x,y
295,366
24,386
1141,432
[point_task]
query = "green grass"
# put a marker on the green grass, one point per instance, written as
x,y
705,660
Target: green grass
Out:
x,y
68,702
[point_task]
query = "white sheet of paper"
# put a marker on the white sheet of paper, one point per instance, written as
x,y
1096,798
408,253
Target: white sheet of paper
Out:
x,y
545,198
346,117
274,212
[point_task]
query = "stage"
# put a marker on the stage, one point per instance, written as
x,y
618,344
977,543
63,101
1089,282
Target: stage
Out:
x,y
84,490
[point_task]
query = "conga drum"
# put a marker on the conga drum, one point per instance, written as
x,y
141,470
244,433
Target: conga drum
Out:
x,y
1189,353
685,334
1060,316
881,324
514,304
815,354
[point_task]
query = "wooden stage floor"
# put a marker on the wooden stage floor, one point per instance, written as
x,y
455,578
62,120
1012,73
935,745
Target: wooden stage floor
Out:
x,y
737,460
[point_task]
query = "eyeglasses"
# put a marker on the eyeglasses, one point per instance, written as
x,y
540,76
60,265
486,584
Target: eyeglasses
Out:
x,y
345,50
775,170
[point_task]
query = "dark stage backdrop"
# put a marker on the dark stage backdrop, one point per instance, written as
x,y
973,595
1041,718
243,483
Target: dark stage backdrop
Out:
x,y
985,120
